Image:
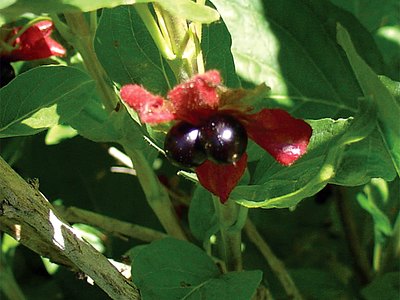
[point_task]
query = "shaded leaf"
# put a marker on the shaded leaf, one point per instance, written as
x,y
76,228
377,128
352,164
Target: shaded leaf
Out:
x,y
41,98
174,269
385,287
216,46
128,53
388,108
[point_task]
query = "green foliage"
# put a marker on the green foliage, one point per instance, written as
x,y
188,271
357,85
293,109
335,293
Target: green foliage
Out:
x,y
192,11
173,269
309,57
386,287
127,52
42,98
388,108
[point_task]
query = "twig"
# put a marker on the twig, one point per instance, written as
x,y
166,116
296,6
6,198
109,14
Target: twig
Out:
x,y
26,215
230,233
111,225
362,267
275,263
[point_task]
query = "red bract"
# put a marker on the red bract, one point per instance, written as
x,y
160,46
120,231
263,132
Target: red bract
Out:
x,y
34,43
201,97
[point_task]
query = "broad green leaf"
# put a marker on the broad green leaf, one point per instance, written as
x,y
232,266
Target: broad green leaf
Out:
x,y
41,98
94,123
182,8
388,107
174,269
128,53
384,287
392,86
169,268
372,13
233,285
364,160
291,46
318,284
216,46
279,186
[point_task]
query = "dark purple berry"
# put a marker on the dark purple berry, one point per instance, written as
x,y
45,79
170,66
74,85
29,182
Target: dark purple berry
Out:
x,y
182,145
224,139
6,73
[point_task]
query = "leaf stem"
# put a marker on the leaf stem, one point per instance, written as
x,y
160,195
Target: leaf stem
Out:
x,y
8,284
275,263
361,265
231,220
156,195
163,44
124,229
83,41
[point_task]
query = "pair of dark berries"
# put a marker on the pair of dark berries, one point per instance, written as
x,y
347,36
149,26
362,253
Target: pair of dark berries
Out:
x,y
221,139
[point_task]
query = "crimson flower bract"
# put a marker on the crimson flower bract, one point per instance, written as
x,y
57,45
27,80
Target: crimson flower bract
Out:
x,y
202,97
34,43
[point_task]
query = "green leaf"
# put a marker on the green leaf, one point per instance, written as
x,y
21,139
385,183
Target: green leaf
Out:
x,y
96,124
182,8
364,160
41,98
234,285
279,186
174,269
385,287
171,269
216,46
388,107
372,13
318,284
392,86
291,46
128,53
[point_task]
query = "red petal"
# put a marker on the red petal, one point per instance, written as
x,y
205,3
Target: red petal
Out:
x,y
151,108
196,97
221,179
36,43
283,136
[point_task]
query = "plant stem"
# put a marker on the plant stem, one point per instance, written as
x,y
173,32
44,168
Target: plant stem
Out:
x,y
156,195
275,263
111,225
83,42
230,231
8,285
361,265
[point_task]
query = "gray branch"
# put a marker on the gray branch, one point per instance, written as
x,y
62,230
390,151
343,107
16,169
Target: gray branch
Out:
x,y
26,215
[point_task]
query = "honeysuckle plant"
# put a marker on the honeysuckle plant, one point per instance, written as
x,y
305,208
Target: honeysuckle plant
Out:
x,y
215,138
202,102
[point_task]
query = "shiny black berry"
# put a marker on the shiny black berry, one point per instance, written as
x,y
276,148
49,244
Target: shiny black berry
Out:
x,y
6,73
182,146
224,139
